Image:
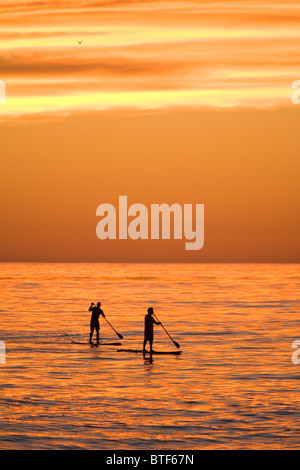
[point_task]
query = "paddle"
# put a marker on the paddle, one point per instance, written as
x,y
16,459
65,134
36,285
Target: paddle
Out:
x,y
120,336
176,344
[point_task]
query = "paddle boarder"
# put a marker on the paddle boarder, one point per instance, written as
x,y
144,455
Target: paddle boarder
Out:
x,y
95,325
148,331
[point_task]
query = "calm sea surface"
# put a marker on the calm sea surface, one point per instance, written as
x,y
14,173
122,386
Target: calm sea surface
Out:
x,y
234,386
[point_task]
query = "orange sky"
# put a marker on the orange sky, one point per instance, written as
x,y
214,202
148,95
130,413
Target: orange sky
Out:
x,y
185,102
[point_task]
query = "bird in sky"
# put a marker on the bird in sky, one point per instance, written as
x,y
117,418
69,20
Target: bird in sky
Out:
x,y
79,42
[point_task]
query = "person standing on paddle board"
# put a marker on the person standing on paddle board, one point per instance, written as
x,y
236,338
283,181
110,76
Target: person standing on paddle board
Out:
x,y
148,332
95,325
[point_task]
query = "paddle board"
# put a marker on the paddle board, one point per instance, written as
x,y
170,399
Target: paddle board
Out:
x,y
140,351
99,344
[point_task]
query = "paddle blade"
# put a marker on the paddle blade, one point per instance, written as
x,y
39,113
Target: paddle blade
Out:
x,y
176,344
120,336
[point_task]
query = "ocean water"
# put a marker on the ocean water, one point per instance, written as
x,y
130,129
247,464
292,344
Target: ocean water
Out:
x,y
233,387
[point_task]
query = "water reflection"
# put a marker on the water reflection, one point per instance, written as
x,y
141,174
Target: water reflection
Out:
x,y
148,360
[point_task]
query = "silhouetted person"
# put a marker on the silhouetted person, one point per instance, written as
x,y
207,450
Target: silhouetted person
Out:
x,y
148,332
96,312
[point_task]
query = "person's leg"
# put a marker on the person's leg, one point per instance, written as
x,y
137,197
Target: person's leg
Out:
x,y
91,333
97,330
151,342
144,345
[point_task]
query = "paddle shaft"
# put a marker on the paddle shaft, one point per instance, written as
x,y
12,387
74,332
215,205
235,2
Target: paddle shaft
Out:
x,y
176,344
120,336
